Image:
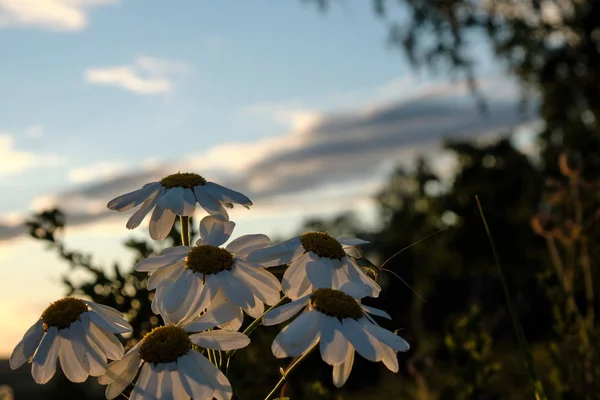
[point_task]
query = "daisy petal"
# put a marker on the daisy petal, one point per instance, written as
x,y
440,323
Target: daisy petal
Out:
x,y
133,199
215,230
227,195
350,241
189,202
209,203
119,374
179,392
297,337
342,372
248,243
277,254
157,262
136,219
285,312
27,346
109,322
172,200
196,385
388,338
320,274
333,345
390,359
44,360
217,315
69,362
161,223
376,311
140,391
365,344
356,290
220,340
219,381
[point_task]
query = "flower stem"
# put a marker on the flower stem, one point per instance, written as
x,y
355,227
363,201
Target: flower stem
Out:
x,y
252,327
185,230
289,370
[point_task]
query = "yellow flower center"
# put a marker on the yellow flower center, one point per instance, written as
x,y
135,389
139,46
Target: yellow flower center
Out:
x,y
322,245
335,303
164,344
185,180
63,312
207,259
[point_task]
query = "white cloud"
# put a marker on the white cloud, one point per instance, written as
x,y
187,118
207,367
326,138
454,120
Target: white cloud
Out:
x,y
35,131
13,161
62,15
96,172
148,75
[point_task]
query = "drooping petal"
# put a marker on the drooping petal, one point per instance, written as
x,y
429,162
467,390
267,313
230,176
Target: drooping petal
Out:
x,y
108,322
215,230
172,200
365,344
350,241
161,223
154,263
264,284
69,362
136,219
390,359
178,390
140,391
119,374
333,344
227,195
187,309
25,349
196,385
285,312
342,372
356,289
320,274
376,311
178,291
165,274
209,203
107,342
246,244
388,338
215,315
277,254
220,340
189,202
236,290
298,336
357,275
218,380
89,356
133,199
44,360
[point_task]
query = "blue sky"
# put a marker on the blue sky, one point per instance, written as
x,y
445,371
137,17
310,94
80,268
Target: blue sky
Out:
x,y
303,111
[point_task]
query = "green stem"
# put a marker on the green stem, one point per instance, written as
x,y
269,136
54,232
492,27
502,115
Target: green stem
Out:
x,y
185,230
289,370
538,387
252,327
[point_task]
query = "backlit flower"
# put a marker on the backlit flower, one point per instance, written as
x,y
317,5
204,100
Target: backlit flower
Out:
x,y
174,195
170,368
340,325
77,332
189,279
316,260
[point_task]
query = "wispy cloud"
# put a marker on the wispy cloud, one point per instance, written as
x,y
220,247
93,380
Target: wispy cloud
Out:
x,y
352,149
61,15
14,161
96,172
147,75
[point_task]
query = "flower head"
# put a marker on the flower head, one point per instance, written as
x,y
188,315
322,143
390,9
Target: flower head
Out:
x,y
170,367
316,260
173,195
336,321
190,279
77,332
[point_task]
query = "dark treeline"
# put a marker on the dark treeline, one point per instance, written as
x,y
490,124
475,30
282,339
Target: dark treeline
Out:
x,y
542,209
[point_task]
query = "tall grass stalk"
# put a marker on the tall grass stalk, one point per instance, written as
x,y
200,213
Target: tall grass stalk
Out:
x,y
536,383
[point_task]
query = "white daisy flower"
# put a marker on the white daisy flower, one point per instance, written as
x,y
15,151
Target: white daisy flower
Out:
x,y
189,279
170,368
77,332
173,195
340,324
316,260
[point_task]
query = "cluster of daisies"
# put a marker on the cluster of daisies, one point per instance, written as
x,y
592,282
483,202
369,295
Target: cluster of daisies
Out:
x,y
202,293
